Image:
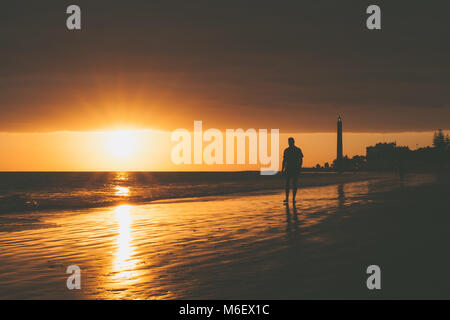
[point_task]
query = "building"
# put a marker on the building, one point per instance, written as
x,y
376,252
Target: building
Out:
x,y
385,156
339,153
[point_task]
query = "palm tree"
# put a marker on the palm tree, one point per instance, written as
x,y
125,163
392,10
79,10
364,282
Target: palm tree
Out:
x,y
440,142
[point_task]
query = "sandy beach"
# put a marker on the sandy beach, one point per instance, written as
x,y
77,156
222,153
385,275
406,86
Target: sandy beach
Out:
x,y
238,246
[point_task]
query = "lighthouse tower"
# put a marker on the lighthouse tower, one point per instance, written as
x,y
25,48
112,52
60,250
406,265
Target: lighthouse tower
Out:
x,y
339,144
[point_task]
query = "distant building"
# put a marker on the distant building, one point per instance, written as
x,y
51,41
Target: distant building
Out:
x,y
385,156
339,153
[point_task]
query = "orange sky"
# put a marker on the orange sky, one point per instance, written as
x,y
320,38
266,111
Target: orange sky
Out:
x,y
161,65
149,150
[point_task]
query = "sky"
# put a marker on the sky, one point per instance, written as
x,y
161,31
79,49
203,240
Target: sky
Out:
x,y
160,65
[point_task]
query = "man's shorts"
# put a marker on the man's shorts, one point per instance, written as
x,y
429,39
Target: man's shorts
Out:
x,y
292,174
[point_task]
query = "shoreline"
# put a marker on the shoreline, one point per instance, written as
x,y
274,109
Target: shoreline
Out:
x,y
243,247
274,184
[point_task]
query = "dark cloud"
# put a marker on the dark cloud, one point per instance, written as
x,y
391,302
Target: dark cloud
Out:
x,y
288,64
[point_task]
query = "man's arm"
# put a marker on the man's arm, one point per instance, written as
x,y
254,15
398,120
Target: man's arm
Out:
x,y
301,157
283,167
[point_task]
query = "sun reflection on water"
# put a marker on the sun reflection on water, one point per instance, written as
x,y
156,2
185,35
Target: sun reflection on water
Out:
x,y
122,176
124,263
122,191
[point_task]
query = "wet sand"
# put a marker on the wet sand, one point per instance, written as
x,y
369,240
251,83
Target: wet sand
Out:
x,y
241,246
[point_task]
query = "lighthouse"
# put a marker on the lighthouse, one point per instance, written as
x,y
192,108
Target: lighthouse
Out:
x,y
339,144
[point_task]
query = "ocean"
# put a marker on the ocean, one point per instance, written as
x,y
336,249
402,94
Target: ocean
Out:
x,y
36,191
43,191
240,246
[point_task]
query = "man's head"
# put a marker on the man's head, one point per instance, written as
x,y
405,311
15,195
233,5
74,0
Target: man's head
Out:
x,y
291,142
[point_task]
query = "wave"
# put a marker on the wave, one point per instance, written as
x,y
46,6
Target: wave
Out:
x,y
34,191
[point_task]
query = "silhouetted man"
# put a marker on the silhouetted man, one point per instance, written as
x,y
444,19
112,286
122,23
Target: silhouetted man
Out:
x,y
292,163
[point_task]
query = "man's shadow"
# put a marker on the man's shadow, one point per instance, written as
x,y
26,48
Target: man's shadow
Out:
x,y
292,221
341,197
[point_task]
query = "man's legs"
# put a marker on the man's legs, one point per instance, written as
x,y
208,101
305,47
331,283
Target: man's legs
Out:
x,y
294,187
287,187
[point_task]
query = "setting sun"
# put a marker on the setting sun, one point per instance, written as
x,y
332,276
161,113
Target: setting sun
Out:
x,y
122,144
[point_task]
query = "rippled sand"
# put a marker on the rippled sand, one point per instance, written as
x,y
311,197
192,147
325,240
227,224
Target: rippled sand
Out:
x,y
246,246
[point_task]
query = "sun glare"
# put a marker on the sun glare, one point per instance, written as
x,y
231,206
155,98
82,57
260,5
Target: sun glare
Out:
x,y
122,144
122,191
